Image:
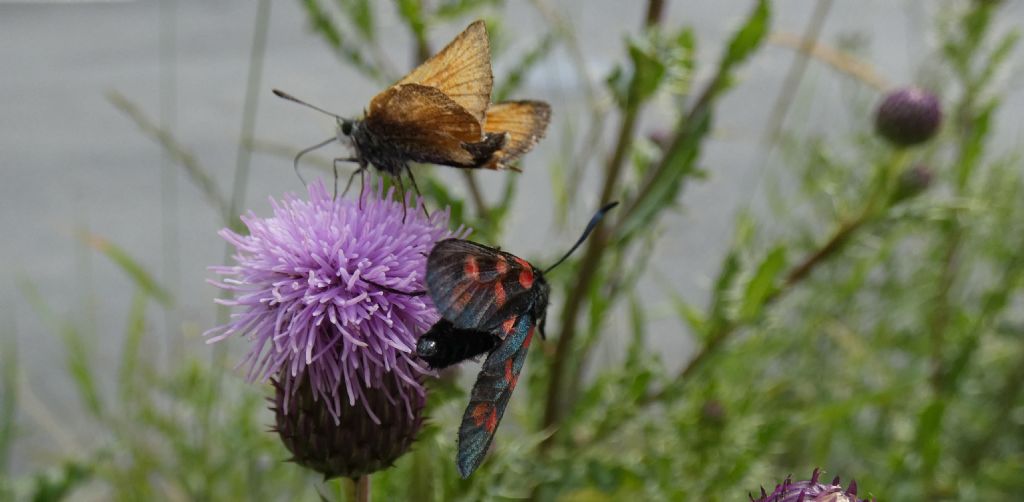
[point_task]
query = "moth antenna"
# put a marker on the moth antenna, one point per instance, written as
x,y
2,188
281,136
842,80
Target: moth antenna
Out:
x,y
295,163
586,233
284,95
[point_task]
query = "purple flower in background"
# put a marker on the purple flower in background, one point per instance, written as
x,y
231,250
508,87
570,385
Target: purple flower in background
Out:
x,y
300,287
810,491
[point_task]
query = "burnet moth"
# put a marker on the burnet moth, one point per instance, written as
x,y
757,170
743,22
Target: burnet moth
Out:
x,y
441,113
490,303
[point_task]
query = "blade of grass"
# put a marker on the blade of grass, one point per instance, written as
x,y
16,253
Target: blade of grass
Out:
x,y
136,271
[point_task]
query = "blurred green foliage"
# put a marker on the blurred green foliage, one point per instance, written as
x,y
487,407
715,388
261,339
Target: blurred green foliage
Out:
x,y
875,336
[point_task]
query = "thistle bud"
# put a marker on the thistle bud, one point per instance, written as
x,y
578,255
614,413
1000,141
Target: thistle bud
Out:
x,y
908,116
810,491
354,445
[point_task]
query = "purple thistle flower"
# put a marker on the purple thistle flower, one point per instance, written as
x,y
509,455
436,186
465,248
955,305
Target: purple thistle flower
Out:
x,y
810,491
300,284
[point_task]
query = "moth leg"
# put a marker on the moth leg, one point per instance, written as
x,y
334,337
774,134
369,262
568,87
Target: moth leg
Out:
x,y
417,189
543,321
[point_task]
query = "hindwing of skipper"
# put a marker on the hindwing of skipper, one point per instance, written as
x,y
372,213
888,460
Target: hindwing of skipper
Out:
x,y
441,113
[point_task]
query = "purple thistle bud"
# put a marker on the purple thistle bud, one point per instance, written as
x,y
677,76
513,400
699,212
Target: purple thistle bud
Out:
x,y
810,491
301,293
355,446
908,116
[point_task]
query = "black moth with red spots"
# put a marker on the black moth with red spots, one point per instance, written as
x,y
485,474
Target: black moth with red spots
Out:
x,y
490,303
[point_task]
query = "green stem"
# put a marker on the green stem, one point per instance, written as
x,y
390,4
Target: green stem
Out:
x,y
592,257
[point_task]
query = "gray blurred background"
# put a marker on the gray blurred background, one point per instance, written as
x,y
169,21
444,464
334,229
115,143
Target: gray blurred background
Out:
x,y
70,160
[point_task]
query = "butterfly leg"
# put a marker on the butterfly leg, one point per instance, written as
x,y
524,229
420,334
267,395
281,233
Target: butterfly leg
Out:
x,y
362,182
417,189
401,190
295,162
334,165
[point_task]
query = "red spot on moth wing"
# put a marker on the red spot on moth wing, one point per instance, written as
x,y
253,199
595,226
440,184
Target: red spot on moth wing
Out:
x,y
510,377
471,268
492,421
508,325
501,266
526,278
523,263
529,337
499,294
480,414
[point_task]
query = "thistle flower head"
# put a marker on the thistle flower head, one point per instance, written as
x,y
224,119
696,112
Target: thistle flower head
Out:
x,y
908,116
810,491
305,289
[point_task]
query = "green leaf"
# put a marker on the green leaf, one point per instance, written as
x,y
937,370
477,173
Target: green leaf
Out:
x,y
750,36
130,352
718,310
76,347
411,11
136,272
648,73
690,314
8,400
450,9
360,13
763,283
517,73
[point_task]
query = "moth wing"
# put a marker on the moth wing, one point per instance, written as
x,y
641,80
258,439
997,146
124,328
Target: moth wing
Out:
x,y
462,71
491,393
475,286
425,123
525,123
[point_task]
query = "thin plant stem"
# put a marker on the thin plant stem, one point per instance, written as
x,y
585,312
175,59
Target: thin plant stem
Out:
x,y
595,248
359,489
841,61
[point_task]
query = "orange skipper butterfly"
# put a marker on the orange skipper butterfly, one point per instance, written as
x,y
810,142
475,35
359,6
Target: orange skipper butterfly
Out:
x,y
441,113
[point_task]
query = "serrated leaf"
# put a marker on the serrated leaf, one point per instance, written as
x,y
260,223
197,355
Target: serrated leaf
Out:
x,y
763,283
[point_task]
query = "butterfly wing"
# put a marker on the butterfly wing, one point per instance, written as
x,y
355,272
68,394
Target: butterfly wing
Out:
x,y
462,71
428,126
491,393
525,123
475,286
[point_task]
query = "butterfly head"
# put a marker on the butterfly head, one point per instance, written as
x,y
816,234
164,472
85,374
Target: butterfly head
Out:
x,y
346,126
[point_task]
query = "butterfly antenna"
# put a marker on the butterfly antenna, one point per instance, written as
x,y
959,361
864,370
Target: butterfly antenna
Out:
x,y
586,232
284,95
295,162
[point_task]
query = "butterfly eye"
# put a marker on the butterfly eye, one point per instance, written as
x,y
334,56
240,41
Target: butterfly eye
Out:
x,y
346,128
